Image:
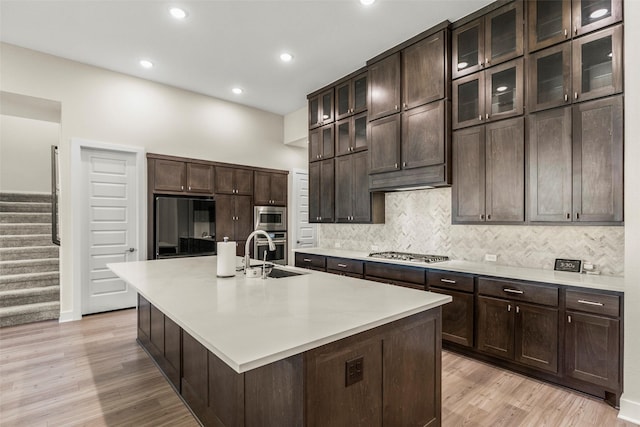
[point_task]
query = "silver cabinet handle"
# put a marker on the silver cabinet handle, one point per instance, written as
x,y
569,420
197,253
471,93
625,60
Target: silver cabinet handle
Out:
x,y
189,188
566,33
486,60
480,117
575,30
306,260
395,165
513,291
396,107
487,116
448,281
182,187
509,307
404,105
569,319
482,217
342,265
566,97
575,95
404,164
517,309
582,301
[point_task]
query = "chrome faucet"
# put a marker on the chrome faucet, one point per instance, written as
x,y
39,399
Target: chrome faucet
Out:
x,y
247,261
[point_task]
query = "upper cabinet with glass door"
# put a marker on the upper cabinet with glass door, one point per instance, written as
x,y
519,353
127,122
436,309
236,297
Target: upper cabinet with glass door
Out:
x,y
351,96
321,109
487,41
554,21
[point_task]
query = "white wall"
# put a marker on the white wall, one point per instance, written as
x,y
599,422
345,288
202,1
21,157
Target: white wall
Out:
x,y
630,404
105,106
25,154
296,127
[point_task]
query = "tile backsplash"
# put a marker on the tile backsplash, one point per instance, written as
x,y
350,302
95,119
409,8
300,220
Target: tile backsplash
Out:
x,y
420,221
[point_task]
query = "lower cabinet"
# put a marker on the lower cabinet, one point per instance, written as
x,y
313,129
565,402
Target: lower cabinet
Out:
x,y
519,331
345,267
408,277
311,261
458,315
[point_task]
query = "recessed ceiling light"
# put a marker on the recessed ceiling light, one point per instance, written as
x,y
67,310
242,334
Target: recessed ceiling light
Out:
x,y
598,13
501,88
145,63
462,65
178,13
286,57
236,90
367,2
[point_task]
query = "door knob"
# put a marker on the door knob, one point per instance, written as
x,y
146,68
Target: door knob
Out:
x,y
130,250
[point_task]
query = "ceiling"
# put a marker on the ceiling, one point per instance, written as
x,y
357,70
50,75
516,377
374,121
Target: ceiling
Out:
x,y
226,44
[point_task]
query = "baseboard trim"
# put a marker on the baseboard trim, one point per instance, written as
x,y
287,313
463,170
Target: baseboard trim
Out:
x,y
69,316
629,410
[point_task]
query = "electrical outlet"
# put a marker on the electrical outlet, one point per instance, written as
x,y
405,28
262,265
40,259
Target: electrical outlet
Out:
x,y
490,257
354,371
336,245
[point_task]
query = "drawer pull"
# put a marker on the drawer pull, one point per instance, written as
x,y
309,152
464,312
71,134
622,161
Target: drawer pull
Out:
x,y
448,281
342,265
599,304
513,291
306,260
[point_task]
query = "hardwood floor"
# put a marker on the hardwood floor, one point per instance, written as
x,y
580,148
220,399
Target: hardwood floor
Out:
x,y
93,373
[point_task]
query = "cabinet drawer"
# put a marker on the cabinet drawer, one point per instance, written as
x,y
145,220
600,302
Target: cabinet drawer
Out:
x,y
345,265
396,273
314,262
410,285
517,291
591,302
443,279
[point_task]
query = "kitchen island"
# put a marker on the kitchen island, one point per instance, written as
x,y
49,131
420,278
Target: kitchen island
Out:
x,y
314,349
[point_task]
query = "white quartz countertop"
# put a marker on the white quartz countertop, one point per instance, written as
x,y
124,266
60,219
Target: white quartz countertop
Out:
x,y
251,322
607,283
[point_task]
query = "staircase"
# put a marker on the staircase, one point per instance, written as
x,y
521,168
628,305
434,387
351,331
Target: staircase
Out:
x,y
29,277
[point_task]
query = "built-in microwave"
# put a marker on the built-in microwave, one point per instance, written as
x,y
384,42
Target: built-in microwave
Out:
x,y
270,218
184,226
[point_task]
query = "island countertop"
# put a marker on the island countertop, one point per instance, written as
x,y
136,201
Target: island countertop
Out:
x,y
251,322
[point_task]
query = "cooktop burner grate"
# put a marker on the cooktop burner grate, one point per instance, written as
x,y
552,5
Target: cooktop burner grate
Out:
x,y
408,256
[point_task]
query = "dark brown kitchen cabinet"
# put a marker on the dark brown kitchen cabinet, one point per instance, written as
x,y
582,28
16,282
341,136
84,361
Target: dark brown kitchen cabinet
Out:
x,y
270,189
351,96
234,181
321,109
345,267
199,178
458,315
550,170
321,143
576,163
414,144
490,40
321,191
586,68
311,261
598,160
169,175
351,134
490,95
519,322
552,22
353,201
384,87
488,173
398,275
424,71
234,219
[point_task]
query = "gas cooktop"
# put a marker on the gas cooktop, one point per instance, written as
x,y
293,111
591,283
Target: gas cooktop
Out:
x,y
407,256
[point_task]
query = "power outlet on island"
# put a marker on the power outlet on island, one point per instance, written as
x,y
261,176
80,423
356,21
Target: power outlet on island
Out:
x,y
353,371
490,257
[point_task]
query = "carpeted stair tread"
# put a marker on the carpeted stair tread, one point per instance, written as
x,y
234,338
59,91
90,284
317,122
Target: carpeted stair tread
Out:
x,y
25,197
17,315
29,252
28,266
24,228
16,297
15,241
29,280
25,207
25,217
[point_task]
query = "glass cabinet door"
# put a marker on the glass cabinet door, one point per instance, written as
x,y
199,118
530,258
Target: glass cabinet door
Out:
x,y
550,77
314,112
590,15
359,132
327,107
468,101
359,93
597,64
343,137
549,23
504,28
468,48
504,96
343,100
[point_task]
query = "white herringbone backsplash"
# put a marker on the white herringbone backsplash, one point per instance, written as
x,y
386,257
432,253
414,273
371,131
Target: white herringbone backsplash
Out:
x,y
420,221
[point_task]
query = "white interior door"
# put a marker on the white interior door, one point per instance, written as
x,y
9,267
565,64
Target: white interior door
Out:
x,y
305,234
109,228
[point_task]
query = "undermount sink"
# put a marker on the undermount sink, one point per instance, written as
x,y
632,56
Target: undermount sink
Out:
x,y
277,273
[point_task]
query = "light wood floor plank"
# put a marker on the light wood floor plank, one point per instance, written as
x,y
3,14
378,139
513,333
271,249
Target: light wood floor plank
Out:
x,y
93,373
